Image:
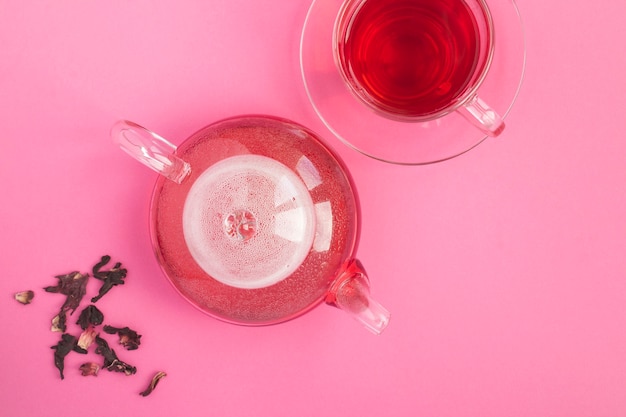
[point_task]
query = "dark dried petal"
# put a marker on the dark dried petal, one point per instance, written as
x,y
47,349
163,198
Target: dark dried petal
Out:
x,y
111,278
104,350
129,338
90,316
96,268
62,349
111,361
89,368
155,380
65,283
25,297
73,286
119,366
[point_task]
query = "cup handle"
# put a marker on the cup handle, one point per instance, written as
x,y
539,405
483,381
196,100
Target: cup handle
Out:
x,y
351,293
150,149
477,112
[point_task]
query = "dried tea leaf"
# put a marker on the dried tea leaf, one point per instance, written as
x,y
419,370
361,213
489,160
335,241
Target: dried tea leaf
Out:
x,y
155,380
128,337
111,361
111,278
25,297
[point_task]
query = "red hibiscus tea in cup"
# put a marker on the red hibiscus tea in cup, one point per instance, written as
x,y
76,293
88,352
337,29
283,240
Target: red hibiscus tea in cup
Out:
x,y
413,59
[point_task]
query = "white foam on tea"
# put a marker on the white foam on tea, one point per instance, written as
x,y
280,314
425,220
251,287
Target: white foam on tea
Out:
x,y
249,221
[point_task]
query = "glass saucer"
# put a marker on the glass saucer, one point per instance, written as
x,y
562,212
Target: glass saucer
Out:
x,y
406,143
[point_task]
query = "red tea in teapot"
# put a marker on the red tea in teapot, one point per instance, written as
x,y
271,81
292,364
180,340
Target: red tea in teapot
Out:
x,y
262,225
255,221
410,57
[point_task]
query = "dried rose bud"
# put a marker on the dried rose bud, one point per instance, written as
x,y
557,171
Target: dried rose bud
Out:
x,y
59,322
155,380
89,368
25,297
87,337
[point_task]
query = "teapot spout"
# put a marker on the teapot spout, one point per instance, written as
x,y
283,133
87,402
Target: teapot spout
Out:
x,y
351,293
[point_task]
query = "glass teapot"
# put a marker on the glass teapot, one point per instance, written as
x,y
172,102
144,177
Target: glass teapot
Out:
x,y
255,221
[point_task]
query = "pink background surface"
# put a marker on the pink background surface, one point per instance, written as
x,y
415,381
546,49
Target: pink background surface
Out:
x,y
504,269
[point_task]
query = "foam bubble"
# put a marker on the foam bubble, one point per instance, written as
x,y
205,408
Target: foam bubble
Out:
x,y
249,221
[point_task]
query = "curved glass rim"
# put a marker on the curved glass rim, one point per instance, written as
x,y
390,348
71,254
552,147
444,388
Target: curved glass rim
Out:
x,y
343,22
308,88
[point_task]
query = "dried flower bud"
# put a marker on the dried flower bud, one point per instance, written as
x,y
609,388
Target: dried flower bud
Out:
x,y
89,368
155,380
59,322
87,337
25,297
129,338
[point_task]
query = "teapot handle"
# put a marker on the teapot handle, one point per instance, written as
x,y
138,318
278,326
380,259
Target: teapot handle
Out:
x,y
350,292
150,149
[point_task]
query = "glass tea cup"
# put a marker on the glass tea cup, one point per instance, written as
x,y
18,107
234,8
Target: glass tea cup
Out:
x,y
255,221
412,81
418,60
